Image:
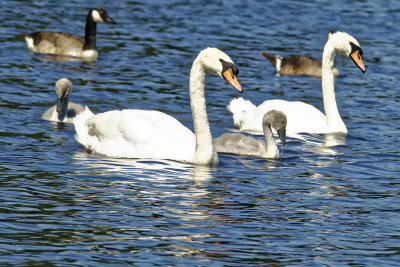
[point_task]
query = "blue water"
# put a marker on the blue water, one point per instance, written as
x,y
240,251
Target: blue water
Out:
x,y
329,200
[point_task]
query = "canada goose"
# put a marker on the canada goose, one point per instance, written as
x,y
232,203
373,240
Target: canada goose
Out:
x,y
151,134
65,44
236,143
64,111
302,117
298,64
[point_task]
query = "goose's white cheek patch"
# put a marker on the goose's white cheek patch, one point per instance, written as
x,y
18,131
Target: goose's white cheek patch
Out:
x,y
96,16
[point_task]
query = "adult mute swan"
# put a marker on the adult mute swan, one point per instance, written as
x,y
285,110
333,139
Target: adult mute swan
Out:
x,y
235,143
64,111
65,44
150,134
302,117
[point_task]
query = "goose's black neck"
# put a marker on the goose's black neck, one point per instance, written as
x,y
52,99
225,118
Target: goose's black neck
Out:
x,y
90,33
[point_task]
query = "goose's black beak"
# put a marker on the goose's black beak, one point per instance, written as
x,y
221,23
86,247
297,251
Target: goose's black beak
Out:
x,y
110,20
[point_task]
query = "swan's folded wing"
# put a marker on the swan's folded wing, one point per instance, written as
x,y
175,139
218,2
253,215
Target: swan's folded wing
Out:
x,y
151,127
141,134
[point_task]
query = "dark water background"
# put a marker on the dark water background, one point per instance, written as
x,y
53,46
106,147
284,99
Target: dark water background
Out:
x,y
320,204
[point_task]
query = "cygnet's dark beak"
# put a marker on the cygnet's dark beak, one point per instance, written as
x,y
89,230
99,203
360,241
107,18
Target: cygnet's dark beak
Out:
x,y
62,107
282,135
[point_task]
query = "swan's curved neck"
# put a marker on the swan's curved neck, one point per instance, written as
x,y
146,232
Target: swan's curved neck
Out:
x,y
334,121
205,153
90,33
271,149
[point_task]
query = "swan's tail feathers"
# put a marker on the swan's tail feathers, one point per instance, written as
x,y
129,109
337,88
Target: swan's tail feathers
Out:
x,y
275,60
241,110
81,129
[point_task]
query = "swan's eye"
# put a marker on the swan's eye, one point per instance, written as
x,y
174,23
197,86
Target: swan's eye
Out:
x,y
229,65
355,48
235,70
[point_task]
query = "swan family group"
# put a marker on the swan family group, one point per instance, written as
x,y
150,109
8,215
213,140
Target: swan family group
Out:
x,y
150,134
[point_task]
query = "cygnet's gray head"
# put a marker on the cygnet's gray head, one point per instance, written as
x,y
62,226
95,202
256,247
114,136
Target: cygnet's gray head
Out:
x,y
277,120
63,89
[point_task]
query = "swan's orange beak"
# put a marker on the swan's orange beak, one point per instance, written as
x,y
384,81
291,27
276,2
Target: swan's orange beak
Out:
x,y
356,57
231,78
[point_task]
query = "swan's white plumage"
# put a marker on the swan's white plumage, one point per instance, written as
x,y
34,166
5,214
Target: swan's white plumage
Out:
x,y
302,117
242,111
133,133
151,134
248,117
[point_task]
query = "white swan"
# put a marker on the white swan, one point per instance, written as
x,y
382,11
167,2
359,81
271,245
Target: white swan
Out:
x,y
135,133
64,111
303,117
235,143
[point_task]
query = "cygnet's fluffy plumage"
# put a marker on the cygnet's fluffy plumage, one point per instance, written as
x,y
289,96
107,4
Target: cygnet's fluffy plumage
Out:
x,y
235,143
64,111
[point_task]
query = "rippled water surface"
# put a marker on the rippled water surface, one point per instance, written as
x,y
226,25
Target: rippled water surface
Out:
x,y
329,200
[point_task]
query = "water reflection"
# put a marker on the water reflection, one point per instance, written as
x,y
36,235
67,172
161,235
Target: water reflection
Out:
x,y
330,142
61,58
170,199
319,150
140,168
322,144
335,139
158,181
64,61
